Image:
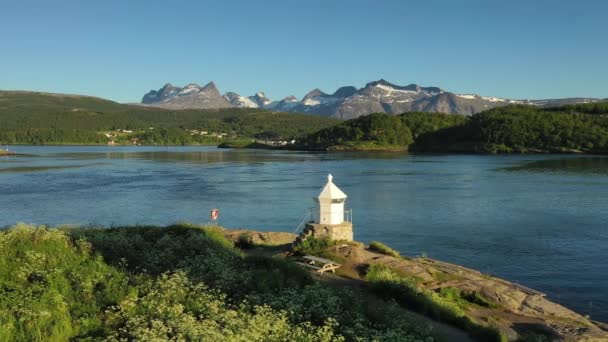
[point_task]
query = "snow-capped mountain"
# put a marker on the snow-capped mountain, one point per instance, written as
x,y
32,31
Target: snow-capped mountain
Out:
x,y
261,100
237,100
346,102
191,96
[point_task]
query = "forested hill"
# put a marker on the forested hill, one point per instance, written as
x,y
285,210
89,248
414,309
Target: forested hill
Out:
x,y
41,118
516,128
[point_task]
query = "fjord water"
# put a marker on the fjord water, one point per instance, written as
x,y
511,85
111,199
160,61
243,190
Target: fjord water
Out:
x,y
537,220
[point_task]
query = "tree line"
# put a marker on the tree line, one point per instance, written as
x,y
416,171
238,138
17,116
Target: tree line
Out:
x,y
514,128
35,118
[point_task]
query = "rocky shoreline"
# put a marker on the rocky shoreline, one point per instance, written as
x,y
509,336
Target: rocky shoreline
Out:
x,y
520,310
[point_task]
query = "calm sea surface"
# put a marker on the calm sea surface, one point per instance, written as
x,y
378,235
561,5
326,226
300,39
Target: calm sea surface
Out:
x,y
538,220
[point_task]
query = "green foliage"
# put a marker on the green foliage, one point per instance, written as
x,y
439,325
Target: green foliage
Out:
x,y
523,129
244,241
446,306
422,124
584,108
314,246
381,131
51,287
37,118
384,249
509,129
173,307
376,130
465,299
323,247
182,282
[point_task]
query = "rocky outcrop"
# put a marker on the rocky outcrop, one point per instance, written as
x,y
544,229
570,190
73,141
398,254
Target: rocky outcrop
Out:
x,y
260,238
520,309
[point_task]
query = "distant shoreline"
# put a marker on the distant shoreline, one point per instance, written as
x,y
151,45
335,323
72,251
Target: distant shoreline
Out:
x,y
332,149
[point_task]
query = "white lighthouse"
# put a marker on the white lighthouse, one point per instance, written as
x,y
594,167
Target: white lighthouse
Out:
x,y
332,220
331,203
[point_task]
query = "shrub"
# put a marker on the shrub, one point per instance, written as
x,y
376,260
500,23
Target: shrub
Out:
x,y
174,308
315,246
51,287
182,282
244,241
384,249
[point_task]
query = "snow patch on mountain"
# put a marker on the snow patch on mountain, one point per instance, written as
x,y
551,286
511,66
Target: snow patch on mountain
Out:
x,y
390,90
468,96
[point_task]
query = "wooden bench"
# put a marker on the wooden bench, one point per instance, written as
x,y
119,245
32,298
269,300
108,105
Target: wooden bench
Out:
x,y
320,265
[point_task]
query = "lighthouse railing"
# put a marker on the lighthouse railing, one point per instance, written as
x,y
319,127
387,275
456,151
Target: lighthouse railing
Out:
x,y
308,217
348,215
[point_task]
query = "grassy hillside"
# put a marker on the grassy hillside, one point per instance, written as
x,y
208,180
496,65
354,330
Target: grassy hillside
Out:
x,y
39,118
176,283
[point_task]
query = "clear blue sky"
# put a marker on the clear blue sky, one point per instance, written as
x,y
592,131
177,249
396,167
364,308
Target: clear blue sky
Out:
x,y
121,49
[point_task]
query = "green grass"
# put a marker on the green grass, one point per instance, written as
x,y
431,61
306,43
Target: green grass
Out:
x,y
447,306
182,282
384,249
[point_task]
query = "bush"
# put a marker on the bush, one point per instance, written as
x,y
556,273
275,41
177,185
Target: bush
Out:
x,y
384,249
174,308
51,287
244,241
315,246
182,282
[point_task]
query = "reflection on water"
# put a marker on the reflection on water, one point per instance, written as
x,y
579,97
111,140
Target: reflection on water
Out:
x,y
219,156
577,164
506,215
192,157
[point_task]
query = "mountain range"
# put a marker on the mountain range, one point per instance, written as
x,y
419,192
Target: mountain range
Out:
x,y
346,102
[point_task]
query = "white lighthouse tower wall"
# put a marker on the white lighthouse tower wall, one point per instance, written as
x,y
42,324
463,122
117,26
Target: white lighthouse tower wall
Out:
x,y
331,211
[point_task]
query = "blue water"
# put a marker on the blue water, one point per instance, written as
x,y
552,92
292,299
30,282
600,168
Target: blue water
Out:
x,y
538,220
